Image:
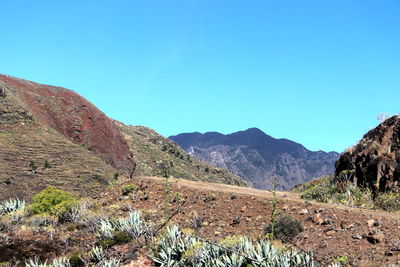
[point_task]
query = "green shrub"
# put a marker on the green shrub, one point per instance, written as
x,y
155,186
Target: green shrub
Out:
x,y
129,188
327,189
342,261
117,238
76,259
320,190
286,228
210,197
53,201
388,201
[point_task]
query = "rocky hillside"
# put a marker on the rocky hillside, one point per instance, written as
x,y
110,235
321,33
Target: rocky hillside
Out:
x,y
375,161
156,155
257,157
218,213
52,136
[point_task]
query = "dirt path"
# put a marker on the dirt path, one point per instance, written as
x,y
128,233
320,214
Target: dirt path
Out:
x,y
363,237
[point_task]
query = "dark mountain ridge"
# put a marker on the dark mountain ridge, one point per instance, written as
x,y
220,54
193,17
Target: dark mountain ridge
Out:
x,y
257,157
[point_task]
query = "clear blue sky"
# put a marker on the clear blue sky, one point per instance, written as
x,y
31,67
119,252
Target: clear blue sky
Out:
x,y
317,72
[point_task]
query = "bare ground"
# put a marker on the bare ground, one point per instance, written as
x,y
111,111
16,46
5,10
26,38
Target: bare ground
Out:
x,y
331,231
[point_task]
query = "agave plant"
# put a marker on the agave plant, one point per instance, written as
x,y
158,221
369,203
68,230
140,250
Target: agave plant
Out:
x,y
176,249
133,225
57,262
105,229
97,254
10,205
110,263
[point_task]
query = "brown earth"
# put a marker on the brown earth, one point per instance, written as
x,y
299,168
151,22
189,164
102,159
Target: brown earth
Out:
x,y
330,231
365,237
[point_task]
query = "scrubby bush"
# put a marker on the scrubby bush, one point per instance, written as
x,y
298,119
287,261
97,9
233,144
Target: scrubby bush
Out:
x,y
76,259
389,201
196,221
329,189
40,220
210,197
129,188
117,238
286,228
320,190
54,202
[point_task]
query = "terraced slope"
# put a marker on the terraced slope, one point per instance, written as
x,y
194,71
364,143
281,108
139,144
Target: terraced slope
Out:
x,y
36,149
52,136
72,116
32,158
156,155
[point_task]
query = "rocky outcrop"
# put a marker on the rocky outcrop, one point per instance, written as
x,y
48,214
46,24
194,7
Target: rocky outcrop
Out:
x,y
375,161
258,157
72,116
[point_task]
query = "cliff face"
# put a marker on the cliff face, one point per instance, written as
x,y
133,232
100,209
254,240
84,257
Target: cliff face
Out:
x,y
258,157
375,161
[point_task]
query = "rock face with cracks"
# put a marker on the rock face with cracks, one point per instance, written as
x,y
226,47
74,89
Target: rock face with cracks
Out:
x,y
375,161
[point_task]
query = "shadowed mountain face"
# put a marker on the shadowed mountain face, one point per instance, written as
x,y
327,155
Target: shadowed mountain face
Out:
x,y
257,157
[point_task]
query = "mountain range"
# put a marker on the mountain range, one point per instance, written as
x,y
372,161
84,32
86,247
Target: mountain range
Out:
x,y
258,157
50,135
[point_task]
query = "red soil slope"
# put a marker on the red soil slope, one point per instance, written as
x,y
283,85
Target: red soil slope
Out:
x,y
75,118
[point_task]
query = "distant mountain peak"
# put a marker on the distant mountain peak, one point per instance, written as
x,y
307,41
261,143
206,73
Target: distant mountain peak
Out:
x,y
256,156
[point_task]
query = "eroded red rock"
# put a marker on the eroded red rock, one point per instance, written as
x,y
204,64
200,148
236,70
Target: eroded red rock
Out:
x,y
74,117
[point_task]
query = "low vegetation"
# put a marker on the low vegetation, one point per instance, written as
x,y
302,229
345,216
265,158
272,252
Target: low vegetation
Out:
x,y
329,190
57,215
54,202
285,228
177,249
